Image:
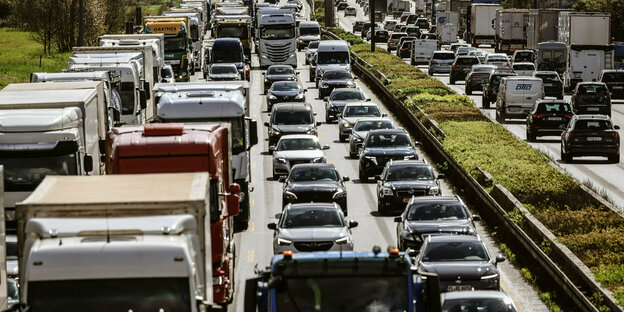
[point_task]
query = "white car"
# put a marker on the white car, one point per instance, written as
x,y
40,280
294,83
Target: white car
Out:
x,y
523,68
499,59
296,149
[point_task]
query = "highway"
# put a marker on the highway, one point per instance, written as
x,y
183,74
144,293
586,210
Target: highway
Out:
x,y
254,246
596,172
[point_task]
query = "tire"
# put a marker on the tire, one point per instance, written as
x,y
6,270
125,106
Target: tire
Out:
x,y
431,73
614,158
484,101
342,138
530,136
380,208
499,118
565,157
451,81
468,91
352,155
306,61
276,177
412,62
363,177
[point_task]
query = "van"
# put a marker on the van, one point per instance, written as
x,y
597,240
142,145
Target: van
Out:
x,y
230,50
330,55
516,97
422,50
307,32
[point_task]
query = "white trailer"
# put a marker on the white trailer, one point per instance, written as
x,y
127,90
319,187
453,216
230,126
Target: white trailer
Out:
x,y
481,17
510,28
447,17
118,242
585,62
582,28
156,41
447,33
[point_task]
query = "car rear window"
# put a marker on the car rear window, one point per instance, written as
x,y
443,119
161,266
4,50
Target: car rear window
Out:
x,y
523,67
467,61
548,77
397,36
591,89
443,56
553,107
592,125
613,77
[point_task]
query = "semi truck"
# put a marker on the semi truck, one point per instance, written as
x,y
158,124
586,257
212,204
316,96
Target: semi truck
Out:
x,y
234,26
196,27
156,41
510,30
447,33
47,132
142,242
366,281
543,26
479,23
178,43
223,102
174,147
277,41
205,8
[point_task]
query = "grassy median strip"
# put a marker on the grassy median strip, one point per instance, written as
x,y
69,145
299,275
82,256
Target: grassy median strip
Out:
x,y
593,232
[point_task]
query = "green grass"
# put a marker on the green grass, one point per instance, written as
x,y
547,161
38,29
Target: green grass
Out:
x,y
19,56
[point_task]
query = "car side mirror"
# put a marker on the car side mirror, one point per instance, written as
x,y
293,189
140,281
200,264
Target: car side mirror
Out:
x,y
345,178
441,176
263,74
353,224
616,127
314,114
272,148
398,219
384,115
305,90
281,179
272,226
266,124
253,132
476,218
325,147
318,123
500,258
88,163
297,73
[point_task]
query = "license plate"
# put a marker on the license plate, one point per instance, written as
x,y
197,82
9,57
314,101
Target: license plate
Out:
x,y
459,287
555,118
405,200
618,87
592,109
549,84
514,109
594,139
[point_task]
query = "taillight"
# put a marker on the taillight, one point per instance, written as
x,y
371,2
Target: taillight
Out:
x,y
612,134
489,88
475,76
434,63
567,116
537,116
575,134
455,65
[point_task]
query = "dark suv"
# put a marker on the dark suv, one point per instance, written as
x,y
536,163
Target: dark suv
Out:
x,y
290,118
614,79
490,88
403,179
314,183
590,135
461,67
548,117
381,146
553,86
591,98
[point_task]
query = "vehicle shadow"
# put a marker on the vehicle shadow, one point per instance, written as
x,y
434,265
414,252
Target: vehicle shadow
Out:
x,y
514,122
266,153
547,141
577,161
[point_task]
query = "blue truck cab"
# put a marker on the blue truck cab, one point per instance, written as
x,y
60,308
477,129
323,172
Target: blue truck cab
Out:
x,y
343,281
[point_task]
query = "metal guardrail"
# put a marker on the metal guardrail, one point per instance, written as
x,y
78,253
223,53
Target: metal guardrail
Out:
x,y
477,195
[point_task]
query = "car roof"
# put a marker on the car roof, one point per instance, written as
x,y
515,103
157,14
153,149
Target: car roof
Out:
x,y
373,119
444,51
550,101
592,117
545,72
392,131
347,89
434,199
299,136
586,83
292,106
474,294
405,163
361,104
314,165
453,238
337,71
303,206
523,63
280,66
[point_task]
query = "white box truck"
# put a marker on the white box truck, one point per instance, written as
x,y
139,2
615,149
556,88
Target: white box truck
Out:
x,y
447,33
480,30
510,30
118,242
156,41
422,50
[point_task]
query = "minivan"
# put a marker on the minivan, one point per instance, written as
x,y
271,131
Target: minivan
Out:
x,y
330,55
307,31
516,97
230,50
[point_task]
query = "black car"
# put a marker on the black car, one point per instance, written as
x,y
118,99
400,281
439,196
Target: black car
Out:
x,y
461,67
523,56
342,5
490,87
461,262
315,183
335,103
381,35
548,117
403,179
478,75
590,135
332,79
591,98
278,73
433,214
290,118
357,26
614,79
381,146
412,31
285,91
553,86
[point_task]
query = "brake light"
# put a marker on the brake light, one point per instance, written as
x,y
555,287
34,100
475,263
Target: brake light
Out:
x,y
475,75
538,116
575,134
434,63
613,134
455,65
567,116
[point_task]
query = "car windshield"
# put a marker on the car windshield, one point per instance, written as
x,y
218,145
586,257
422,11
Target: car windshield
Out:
x,y
313,45
613,77
388,140
409,173
298,145
524,56
443,56
220,70
524,67
280,70
553,107
285,86
227,56
11,250
346,95
292,118
592,89
277,32
455,251
497,58
436,211
548,77
333,58
309,31
313,174
337,75
367,125
302,218
475,303
361,111
592,125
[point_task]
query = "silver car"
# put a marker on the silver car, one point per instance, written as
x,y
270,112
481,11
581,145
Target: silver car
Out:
x,y
361,128
312,227
441,62
350,115
499,59
310,51
223,71
296,149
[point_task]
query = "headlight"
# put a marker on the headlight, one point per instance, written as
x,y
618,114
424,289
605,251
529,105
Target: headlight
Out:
x,y
290,195
283,242
386,192
319,160
339,194
490,277
346,125
275,132
271,97
324,85
350,84
343,240
434,190
299,96
356,139
373,159
405,235
281,160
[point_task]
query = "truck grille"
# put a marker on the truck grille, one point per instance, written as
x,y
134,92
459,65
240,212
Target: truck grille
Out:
x,y
278,53
313,246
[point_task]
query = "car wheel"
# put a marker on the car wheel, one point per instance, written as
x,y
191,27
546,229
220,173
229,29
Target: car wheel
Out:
x,y
530,136
468,91
499,118
306,61
614,158
276,177
565,157
352,155
485,102
363,177
342,138
451,81
431,72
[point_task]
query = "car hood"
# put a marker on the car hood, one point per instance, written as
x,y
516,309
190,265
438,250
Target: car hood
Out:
x,y
312,186
353,120
463,270
389,151
285,93
279,77
343,103
337,81
360,134
314,234
402,185
300,154
440,226
292,128
326,67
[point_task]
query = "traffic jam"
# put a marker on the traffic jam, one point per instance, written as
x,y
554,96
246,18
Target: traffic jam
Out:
x,y
226,156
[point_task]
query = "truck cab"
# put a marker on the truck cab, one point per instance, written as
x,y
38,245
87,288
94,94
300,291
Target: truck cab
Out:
x,y
156,41
234,26
178,43
195,25
277,40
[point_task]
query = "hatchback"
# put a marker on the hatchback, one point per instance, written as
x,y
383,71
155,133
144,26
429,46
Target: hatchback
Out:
x,y
477,77
614,79
553,86
548,117
461,67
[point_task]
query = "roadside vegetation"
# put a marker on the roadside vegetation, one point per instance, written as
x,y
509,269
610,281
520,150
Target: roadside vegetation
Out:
x,y
592,231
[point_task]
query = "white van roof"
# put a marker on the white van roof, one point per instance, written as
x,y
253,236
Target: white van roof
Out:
x,y
333,45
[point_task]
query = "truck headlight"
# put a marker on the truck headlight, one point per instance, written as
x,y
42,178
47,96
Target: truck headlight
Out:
x,y
434,190
283,242
290,195
372,159
339,194
281,160
386,192
343,240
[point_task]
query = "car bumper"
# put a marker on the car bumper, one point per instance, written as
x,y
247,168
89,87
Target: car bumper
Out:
x,y
452,285
603,110
475,84
458,75
310,246
440,68
344,131
353,146
593,150
517,112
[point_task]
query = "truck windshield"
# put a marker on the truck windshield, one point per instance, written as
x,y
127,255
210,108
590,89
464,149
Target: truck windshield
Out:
x,y
195,32
309,31
332,58
277,32
126,93
175,44
357,293
239,31
22,173
227,56
129,294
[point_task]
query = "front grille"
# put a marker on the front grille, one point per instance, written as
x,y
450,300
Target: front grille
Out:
x,y
278,53
298,162
315,196
410,193
313,246
381,161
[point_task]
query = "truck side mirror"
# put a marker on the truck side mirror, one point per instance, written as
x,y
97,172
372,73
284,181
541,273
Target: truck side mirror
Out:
x,y
88,163
253,132
143,99
147,89
251,294
232,201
